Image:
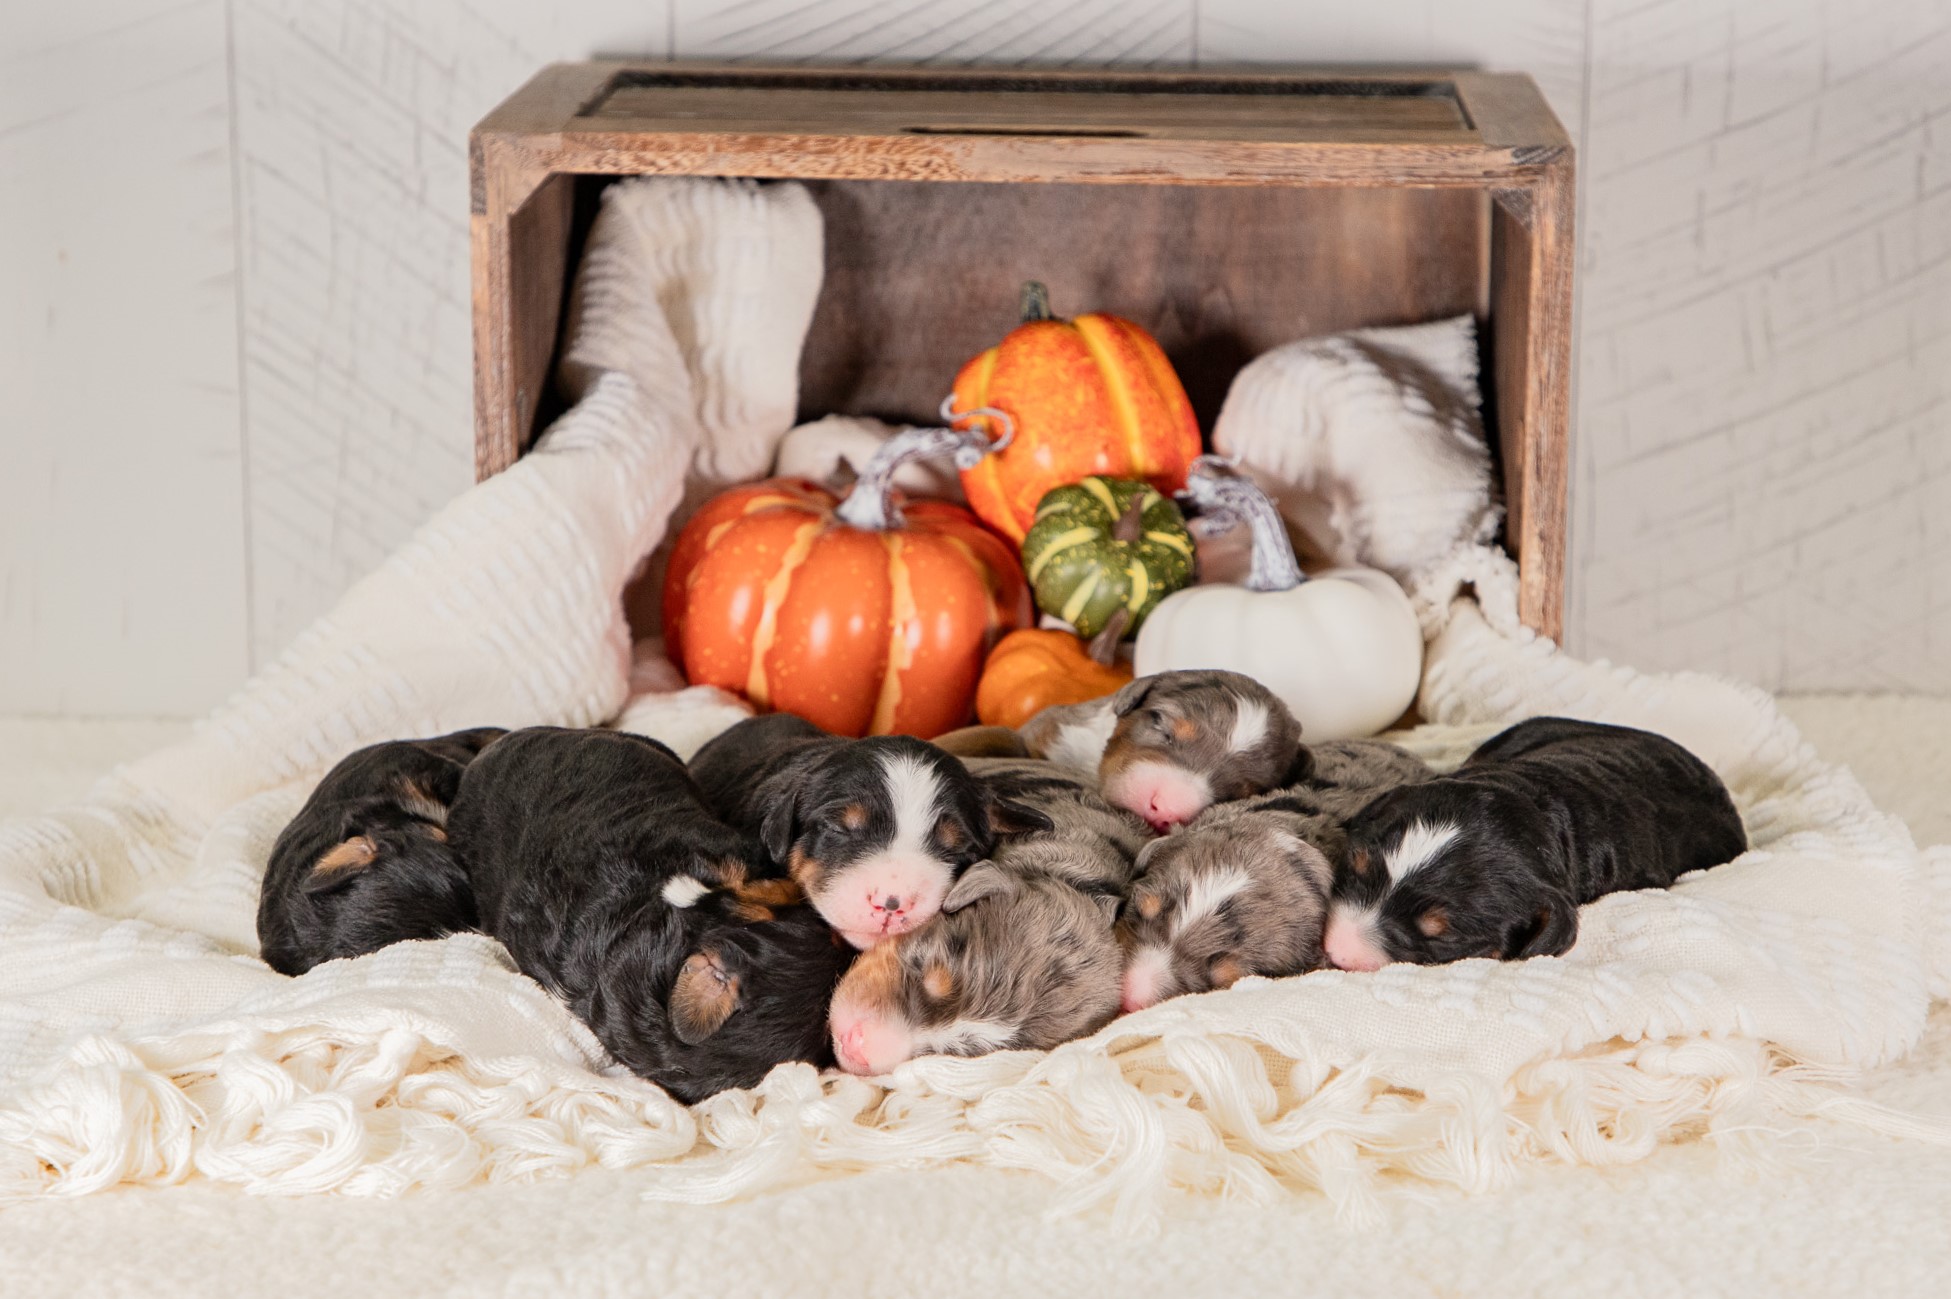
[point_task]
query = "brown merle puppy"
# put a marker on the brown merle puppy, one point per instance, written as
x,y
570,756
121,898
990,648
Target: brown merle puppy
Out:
x,y
1495,859
1243,889
874,830
366,861
1022,955
1182,741
597,865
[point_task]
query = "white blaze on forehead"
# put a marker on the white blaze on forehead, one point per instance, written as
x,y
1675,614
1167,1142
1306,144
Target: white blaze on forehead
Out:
x,y
1249,724
683,890
1147,976
915,793
1207,895
973,1036
1419,846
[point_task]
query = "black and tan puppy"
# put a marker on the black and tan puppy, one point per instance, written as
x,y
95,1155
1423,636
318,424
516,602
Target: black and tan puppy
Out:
x,y
1022,955
366,861
1495,859
875,831
1168,746
1243,889
597,865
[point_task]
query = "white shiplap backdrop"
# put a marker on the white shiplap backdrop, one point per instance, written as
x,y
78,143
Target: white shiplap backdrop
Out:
x,y
234,349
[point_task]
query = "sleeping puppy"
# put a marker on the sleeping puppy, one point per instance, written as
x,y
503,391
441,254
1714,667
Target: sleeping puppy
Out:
x,y
1022,955
597,865
1495,858
1244,888
875,831
1182,741
366,861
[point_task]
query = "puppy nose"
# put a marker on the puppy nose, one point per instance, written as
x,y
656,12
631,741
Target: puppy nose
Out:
x,y
890,903
1348,949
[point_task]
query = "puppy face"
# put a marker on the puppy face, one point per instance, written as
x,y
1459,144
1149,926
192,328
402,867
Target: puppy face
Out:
x,y
1186,740
1214,903
1428,881
748,991
1013,962
875,831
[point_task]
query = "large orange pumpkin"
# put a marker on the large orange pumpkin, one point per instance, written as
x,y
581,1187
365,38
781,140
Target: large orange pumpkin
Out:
x,y
1093,395
875,630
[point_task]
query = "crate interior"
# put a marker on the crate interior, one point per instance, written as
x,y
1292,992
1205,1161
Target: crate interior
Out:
x,y
921,275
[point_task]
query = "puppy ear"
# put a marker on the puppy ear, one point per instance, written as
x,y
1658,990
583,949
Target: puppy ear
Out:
x,y
1549,931
1009,817
1108,904
1307,860
780,824
1302,768
1143,861
984,879
702,999
1131,696
340,864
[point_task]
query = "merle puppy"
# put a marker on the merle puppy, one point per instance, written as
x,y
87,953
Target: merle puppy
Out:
x,y
1495,858
597,865
366,861
1168,746
875,831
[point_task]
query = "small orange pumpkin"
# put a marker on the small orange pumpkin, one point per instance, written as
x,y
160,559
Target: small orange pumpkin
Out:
x,y
1030,671
861,616
1093,395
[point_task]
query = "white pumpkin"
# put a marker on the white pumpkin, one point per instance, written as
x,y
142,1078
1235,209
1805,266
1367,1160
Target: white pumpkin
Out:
x,y
1342,649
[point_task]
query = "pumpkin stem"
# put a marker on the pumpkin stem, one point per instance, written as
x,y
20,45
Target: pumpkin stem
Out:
x,y
1130,525
1035,302
1103,649
871,505
1214,486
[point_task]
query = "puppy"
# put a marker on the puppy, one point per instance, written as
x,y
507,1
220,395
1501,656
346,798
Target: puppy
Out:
x,y
1495,859
597,865
875,831
1022,955
366,861
1174,743
1243,889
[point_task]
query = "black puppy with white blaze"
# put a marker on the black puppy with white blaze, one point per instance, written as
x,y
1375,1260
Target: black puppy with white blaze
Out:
x,y
366,862
597,865
1495,858
873,830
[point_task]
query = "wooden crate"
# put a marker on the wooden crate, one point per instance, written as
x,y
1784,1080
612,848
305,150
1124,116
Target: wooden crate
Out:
x,y
1226,212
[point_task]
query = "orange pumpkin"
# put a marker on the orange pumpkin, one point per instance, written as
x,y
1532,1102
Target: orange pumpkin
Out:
x,y
1030,671
861,630
1093,395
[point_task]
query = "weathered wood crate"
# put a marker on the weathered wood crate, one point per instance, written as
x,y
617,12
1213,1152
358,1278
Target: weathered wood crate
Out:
x,y
1226,212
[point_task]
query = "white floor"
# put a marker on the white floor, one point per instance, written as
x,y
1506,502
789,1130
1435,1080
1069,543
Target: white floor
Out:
x,y
1824,1211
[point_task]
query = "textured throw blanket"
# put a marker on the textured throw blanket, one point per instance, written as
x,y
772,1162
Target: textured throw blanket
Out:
x,y
142,1041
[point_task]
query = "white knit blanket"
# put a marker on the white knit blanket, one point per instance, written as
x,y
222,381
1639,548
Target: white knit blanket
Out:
x,y
142,1041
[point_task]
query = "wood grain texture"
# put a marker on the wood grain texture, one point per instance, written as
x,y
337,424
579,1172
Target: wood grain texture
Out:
x,y
122,538
353,118
922,277
1128,32
1764,473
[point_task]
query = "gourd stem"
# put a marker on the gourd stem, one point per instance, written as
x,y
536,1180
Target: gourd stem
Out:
x,y
1103,649
1214,486
870,504
1130,525
1035,302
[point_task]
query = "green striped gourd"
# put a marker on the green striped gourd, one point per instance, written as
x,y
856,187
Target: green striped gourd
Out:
x,y
1105,544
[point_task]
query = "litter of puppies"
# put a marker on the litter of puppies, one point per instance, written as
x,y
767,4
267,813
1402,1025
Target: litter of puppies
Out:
x,y
794,895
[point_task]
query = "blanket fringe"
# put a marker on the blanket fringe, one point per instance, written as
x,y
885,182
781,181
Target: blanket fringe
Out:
x,y
1216,1116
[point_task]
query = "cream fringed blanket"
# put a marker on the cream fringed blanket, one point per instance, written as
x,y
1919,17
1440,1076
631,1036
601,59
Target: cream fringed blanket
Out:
x,y
142,1041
